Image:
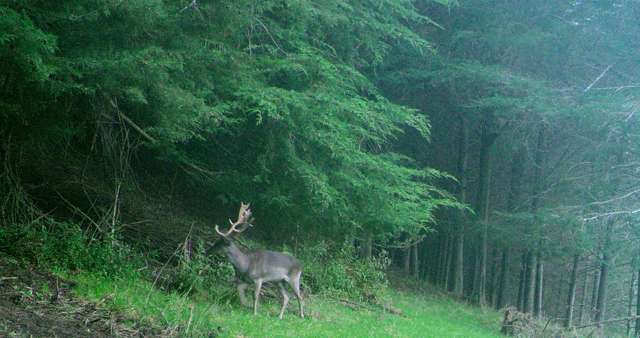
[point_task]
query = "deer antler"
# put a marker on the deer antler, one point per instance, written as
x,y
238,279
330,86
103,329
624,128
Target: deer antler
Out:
x,y
244,217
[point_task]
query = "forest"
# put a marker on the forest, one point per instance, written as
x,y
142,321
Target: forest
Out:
x,y
483,154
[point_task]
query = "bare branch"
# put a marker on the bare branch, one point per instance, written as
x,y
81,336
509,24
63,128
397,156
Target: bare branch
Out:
x,y
612,213
130,122
271,36
629,194
597,79
617,88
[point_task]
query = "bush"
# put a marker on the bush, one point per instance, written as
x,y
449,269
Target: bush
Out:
x,y
64,245
202,274
328,269
340,272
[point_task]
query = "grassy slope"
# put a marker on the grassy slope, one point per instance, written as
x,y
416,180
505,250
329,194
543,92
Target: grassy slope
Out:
x,y
425,316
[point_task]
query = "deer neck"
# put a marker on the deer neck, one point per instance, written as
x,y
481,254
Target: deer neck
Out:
x,y
238,258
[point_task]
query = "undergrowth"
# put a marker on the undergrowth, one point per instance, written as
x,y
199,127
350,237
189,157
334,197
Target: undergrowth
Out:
x,y
329,269
65,246
191,293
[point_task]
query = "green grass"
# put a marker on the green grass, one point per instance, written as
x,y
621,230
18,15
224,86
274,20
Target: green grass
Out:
x,y
424,316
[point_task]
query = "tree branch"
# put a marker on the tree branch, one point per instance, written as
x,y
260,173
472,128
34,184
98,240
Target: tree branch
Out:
x,y
597,79
131,123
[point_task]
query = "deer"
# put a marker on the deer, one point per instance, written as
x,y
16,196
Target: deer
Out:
x,y
260,266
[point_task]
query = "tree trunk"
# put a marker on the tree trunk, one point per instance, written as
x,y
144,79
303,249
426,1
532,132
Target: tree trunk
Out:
x,y
517,166
630,304
530,294
482,279
594,292
502,284
559,305
458,263
458,268
488,137
406,261
494,276
602,290
638,306
447,265
568,322
583,296
447,262
441,258
539,289
604,273
416,261
476,273
522,282
530,283
424,262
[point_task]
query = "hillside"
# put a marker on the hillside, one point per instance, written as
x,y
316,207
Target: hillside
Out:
x,y
90,304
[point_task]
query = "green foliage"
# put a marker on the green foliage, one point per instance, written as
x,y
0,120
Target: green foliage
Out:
x,y
65,246
330,270
338,272
203,275
24,48
273,102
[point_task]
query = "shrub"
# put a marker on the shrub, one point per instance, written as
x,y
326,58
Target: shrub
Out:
x,y
340,272
328,269
202,274
64,245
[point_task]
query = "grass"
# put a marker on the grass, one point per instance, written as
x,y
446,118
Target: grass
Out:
x,y
424,315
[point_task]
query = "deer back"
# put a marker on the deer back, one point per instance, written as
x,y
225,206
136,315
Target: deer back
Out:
x,y
272,266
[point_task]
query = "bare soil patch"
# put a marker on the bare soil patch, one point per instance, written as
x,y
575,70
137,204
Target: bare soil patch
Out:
x,y
39,304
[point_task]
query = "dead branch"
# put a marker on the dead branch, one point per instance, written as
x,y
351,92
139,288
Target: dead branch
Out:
x,y
597,79
76,209
612,213
360,306
131,123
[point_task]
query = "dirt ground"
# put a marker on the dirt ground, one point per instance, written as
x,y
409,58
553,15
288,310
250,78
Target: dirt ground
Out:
x,y
39,304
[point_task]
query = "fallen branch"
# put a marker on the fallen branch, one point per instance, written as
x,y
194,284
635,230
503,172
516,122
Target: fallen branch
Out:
x,y
391,309
378,306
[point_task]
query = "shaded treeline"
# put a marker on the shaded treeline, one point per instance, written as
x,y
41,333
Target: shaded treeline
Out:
x,y
533,110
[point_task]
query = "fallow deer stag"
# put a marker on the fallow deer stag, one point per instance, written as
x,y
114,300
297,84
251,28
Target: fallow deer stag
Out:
x,y
260,266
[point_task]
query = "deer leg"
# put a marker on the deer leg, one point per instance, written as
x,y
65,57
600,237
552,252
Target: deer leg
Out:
x,y
257,295
285,298
295,284
241,289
